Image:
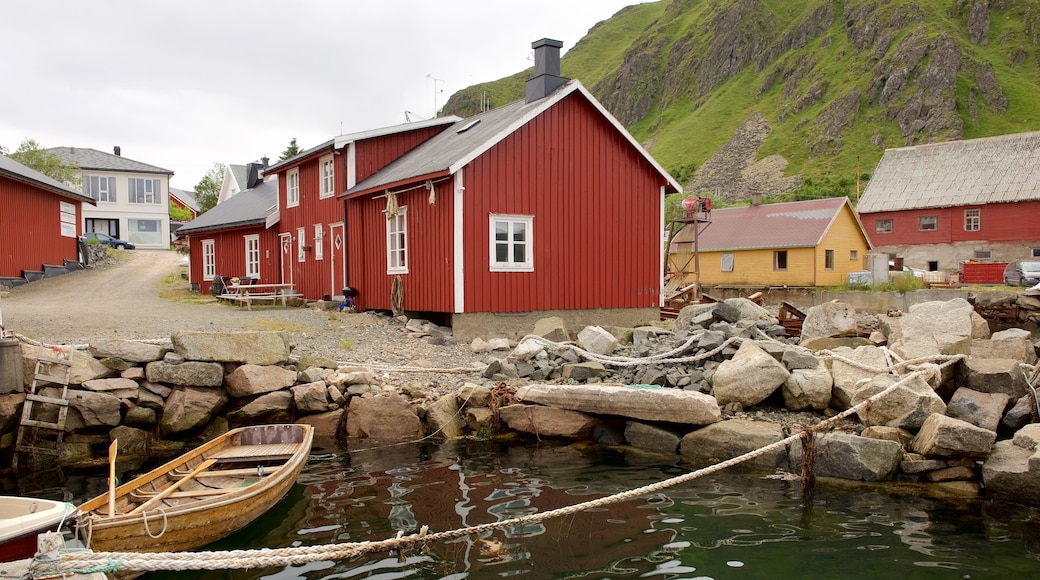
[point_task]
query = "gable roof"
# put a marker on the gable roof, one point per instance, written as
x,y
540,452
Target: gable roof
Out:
x,y
186,197
796,224
972,172
14,170
101,161
248,207
453,148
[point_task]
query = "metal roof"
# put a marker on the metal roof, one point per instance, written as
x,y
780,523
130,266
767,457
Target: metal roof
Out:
x,y
971,172
453,148
247,207
101,161
187,197
796,224
19,172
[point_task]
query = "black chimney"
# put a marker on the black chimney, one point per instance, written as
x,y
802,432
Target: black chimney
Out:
x,y
265,160
546,70
116,150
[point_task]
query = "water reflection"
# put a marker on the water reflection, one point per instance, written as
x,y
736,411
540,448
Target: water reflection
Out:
x,y
722,526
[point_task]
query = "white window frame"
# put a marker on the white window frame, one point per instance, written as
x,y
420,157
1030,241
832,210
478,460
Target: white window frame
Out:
x,y
319,242
292,188
209,260
253,256
327,172
92,187
397,242
928,219
301,237
972,220
511,221
886,229
143,190
777,255
727,261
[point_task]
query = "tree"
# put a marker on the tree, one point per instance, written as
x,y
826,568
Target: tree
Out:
x,y
32,155
179,214
207,191
291,151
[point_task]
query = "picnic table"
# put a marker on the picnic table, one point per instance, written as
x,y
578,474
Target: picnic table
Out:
x,y
249,293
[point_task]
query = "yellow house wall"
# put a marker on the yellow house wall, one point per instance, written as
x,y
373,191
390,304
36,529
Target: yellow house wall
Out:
x,y
805,266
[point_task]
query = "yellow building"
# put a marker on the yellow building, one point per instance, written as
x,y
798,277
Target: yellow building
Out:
x,y
802,243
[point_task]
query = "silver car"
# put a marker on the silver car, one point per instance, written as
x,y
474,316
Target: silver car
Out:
x,y
1022,273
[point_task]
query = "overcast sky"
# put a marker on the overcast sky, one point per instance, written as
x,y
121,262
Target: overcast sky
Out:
x,y
182,84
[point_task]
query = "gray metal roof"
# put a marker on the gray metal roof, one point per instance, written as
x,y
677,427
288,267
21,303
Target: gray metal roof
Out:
x,y
15,170
188,197
971,172
460,143
240,174
100,161
247,207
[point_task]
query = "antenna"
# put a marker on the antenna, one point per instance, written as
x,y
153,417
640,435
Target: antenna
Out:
x,y
435,91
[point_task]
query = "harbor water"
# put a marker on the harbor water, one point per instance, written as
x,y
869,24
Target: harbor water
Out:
x,y
731,524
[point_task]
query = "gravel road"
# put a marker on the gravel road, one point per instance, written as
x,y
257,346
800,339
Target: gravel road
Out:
x,y
123,300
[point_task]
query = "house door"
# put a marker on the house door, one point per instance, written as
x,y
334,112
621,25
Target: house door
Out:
x,y
338,261
285,241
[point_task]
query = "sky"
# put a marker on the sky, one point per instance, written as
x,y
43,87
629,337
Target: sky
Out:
x,y
182,84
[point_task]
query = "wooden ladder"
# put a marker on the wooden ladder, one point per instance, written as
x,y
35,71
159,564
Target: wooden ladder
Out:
x,y
37,433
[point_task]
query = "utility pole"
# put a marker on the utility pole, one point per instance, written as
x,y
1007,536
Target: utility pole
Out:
x,y
435,91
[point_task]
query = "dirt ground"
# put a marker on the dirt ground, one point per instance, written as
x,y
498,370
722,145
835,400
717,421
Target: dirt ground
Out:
x,y
141,295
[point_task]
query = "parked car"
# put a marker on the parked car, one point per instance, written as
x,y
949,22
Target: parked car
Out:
x,y
108,240
1022,273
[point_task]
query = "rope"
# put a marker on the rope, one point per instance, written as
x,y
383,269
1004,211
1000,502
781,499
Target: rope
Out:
x,y
242,559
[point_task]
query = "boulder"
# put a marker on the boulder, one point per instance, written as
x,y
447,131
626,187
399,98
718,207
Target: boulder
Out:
x,y
993,375
597,340
648,404
326,428
906,407
132,442
1028,437
799,358
942,436
247,347
749,377
584,371
733,438
552,328
1013,347
443,416
1020,414
933,328
980,409
190,407
191,373
848,456
346,377
89,409
479,420
808,389
310,398
829,319
846,368
473,395
651,437
548,421
144,417
1012,473
111,386
84,367
248,380
10,411
127,350
272,407
388,418
316,361
748,310
900,436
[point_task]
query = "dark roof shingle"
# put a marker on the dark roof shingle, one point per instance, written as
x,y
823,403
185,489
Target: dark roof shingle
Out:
x,y
101,161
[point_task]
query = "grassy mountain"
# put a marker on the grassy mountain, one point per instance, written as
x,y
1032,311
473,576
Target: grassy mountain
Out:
x,y
800,98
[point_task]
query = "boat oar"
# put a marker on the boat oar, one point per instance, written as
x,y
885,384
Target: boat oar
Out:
x,y
176,485
112,477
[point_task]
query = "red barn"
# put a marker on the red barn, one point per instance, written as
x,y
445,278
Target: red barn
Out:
x,y
236,238
544,207
311,223
942,204
39,224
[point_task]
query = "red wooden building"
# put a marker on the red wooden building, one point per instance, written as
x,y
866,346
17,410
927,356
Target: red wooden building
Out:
x,y
940,205
543,207
39,224
314,250
236,238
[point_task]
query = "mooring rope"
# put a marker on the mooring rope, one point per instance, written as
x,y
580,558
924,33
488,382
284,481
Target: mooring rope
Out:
x,y
73,561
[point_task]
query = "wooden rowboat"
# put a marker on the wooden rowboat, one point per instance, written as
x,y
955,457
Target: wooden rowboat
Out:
x,y
202,496
22,519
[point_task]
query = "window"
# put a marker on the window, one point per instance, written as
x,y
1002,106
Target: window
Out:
x,y
983,254
727,262
828,259
927,223
141,190
145,232
253,256
972,220
780,260
883,226
1036,252
209,260
319,237
512,243
397,242
328,181
933,265
301,244
100,188
292,188
853,255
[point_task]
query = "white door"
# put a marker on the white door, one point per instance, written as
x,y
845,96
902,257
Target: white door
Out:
x,y
338,260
